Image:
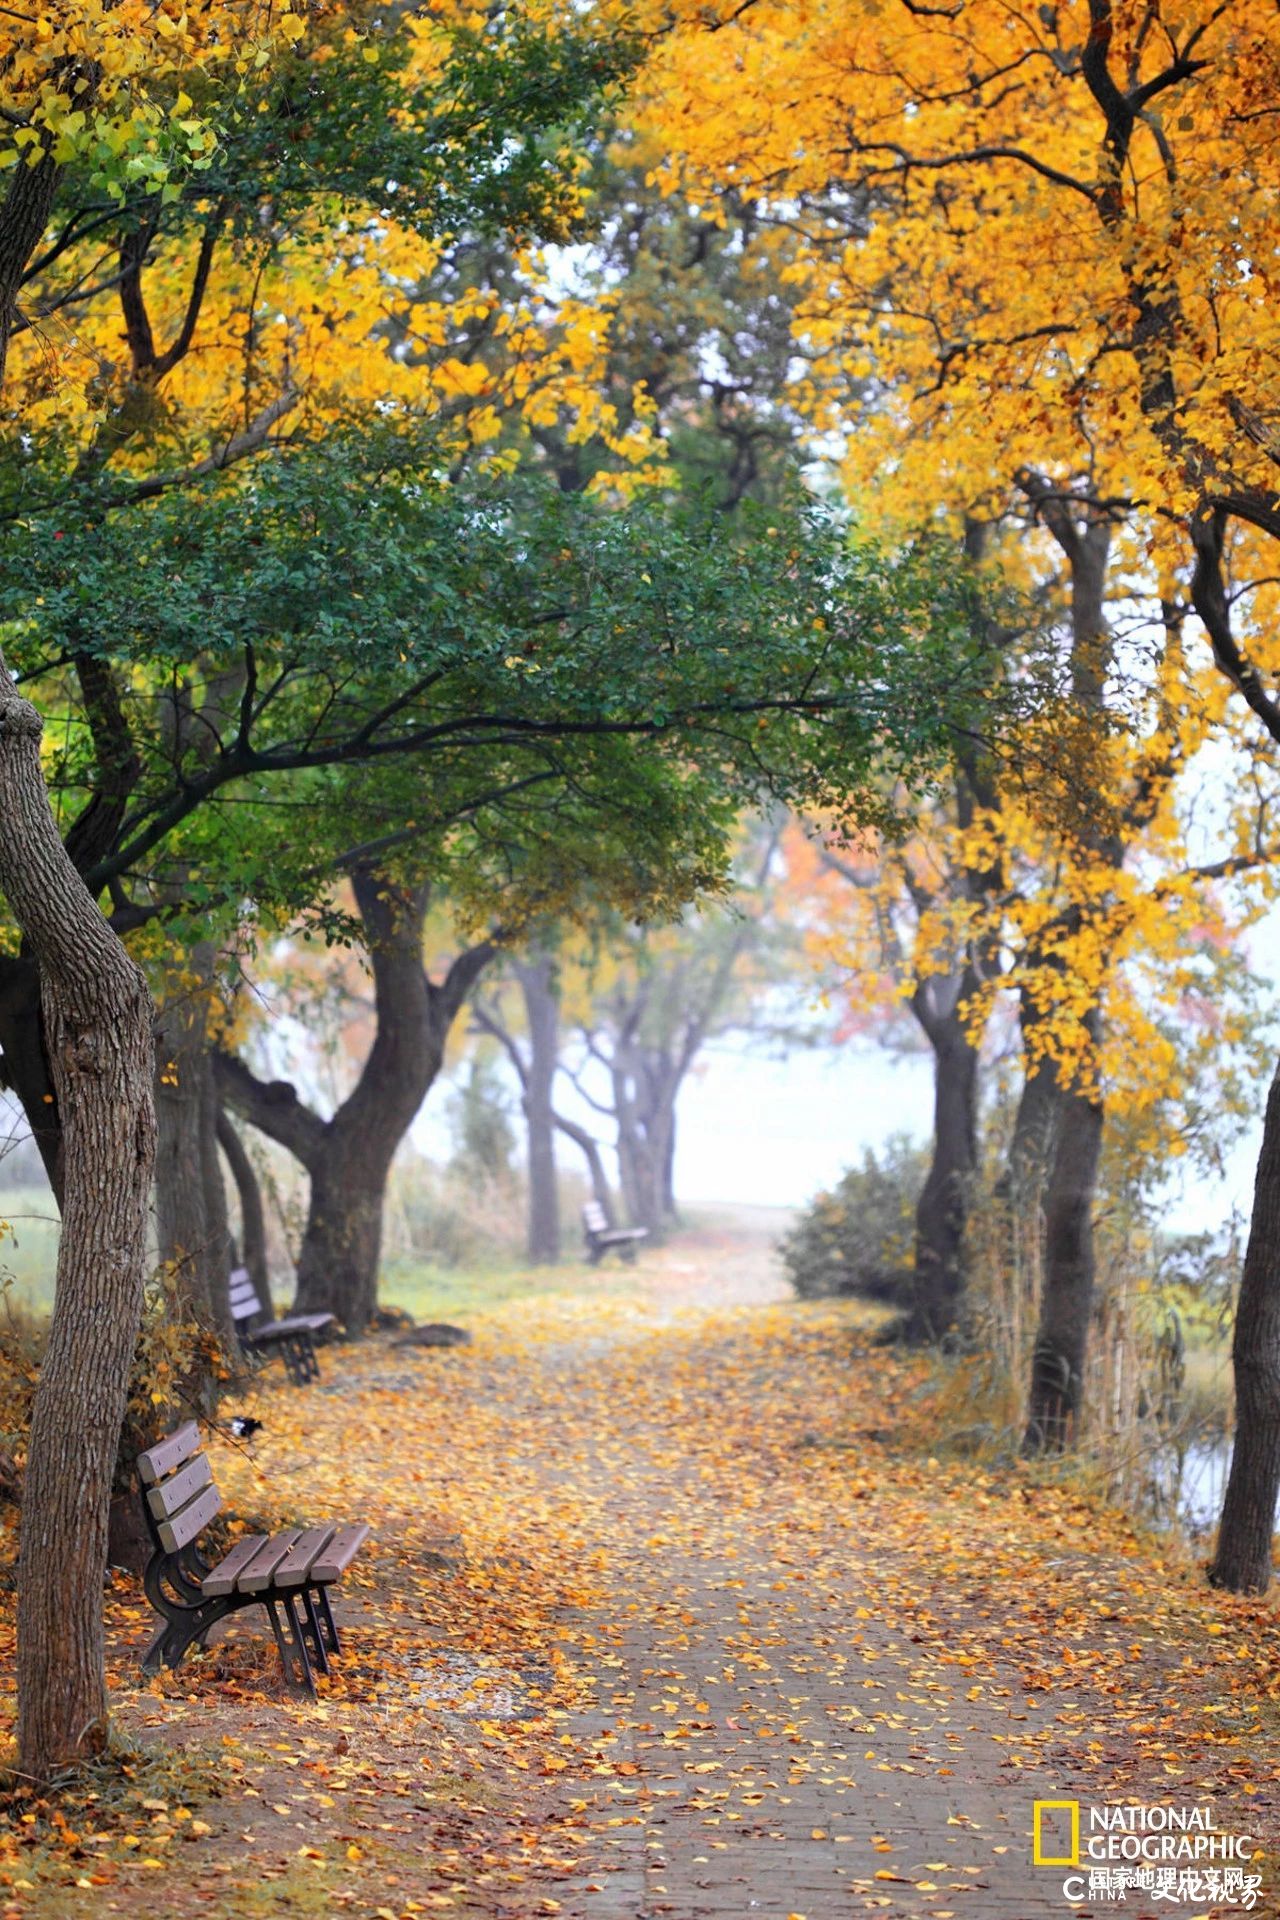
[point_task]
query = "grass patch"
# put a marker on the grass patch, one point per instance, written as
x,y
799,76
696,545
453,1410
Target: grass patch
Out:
x,y
431,1292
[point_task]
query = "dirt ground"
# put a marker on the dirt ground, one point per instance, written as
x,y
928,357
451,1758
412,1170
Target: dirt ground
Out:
x,y
669,1611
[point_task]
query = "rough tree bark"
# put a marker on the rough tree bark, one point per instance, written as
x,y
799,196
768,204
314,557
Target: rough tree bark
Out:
x,y
118,769
942,1210
349,1156
1242,1562
1020,1188
24,215
1066,1300
97,1018
191,1214
253,1218
1062,1338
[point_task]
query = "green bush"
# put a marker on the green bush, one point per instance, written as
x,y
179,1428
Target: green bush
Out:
x,y
857,1238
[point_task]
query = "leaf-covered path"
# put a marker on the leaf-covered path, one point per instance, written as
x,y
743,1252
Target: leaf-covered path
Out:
x,y
670,1612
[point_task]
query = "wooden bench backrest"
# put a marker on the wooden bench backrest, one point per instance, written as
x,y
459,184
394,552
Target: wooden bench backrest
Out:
x,y
594,1217
245,1304
178,1482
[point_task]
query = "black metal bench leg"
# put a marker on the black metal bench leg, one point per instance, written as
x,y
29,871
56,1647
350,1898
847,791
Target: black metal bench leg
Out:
x,y
299,1643
302,1362
311,1622
153,1658
326,1616
191,1629
289,1642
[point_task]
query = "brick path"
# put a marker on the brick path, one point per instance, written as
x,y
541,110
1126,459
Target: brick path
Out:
x,y
779,1770
774,1736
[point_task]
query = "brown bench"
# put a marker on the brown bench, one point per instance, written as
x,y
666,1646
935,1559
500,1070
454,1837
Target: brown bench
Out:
x,y
601,1238
293,1338
287,1573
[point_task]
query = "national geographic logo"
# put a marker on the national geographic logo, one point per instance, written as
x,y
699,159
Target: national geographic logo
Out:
x,y
1061,1814
1174,1854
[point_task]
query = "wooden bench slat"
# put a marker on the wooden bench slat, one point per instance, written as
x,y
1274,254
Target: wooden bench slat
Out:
x,y
180,1487
168,1454
305,1322
296,1565
339,1554
222,1578
260,1572
182,1527
273,1330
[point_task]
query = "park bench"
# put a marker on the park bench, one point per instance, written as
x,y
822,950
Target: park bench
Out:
x,y
287,1573
293,1338
601,1238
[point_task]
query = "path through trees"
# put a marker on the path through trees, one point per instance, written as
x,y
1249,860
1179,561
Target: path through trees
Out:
x,y
665,1621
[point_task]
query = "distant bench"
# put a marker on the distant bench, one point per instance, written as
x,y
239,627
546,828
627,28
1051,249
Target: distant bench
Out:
x,y
293,1338
601,1238
283,1572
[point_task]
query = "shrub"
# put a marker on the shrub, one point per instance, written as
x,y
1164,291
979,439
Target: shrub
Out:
x,y
857,1238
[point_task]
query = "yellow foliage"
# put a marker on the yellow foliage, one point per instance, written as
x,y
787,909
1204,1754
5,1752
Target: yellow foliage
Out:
x,y
1021,239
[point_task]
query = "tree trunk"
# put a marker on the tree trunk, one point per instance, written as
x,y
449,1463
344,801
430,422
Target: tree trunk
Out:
x,y
942,1210
1021,1183
601,1191
1242,1562
645,1087
669,1170
349,1157
24,216
542,1018
218,1225
1018,1195
1066,1306
253,1219
97,1020
24,1060
1084,533
191,1224
639,1174
342,1241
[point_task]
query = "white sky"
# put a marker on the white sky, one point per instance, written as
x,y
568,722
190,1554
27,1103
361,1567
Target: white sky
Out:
x,y
772,1132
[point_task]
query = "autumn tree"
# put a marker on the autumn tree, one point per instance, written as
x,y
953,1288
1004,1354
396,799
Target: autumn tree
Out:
x,y
1014,234
531,1041
643,1004
69,88
348,1156
111,159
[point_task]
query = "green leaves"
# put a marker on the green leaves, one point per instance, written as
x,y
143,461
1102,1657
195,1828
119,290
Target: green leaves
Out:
x,y
533,692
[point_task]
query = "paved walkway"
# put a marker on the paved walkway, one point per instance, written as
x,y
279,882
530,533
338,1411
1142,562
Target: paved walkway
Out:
x,y
805,1712
778,1749
669,1616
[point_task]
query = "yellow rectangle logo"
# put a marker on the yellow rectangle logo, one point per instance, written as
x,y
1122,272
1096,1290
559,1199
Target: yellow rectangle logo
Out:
x,y
1039,1857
